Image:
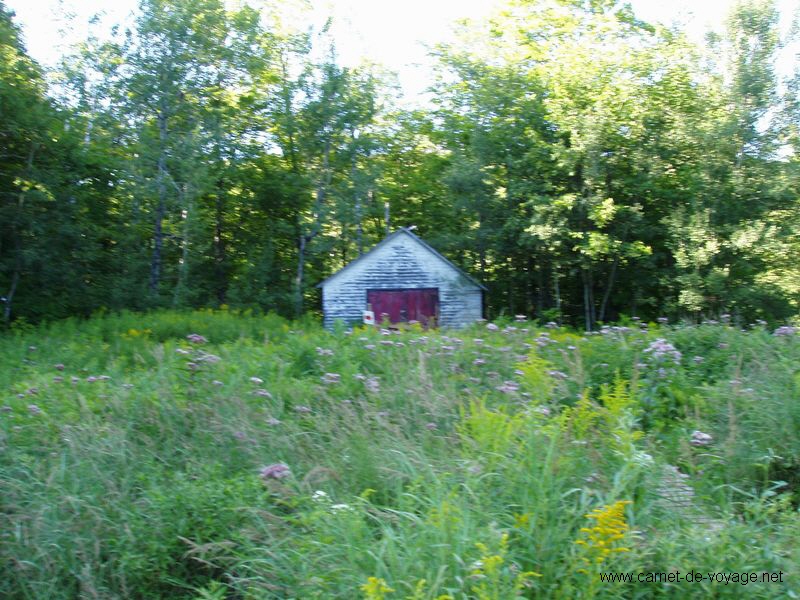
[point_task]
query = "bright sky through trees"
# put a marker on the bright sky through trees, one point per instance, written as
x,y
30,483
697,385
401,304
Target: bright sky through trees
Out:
x,y
395,34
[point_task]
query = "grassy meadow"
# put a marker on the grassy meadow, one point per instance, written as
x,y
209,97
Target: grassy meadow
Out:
x,y
215,454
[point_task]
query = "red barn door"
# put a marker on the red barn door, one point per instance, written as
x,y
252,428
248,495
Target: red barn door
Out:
x,y
405,305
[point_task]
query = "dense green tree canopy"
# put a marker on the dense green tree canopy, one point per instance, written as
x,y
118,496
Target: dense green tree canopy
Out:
x,y
583,164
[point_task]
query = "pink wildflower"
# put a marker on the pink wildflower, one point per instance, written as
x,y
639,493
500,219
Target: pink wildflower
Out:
x,y
196,338
700,439
275,471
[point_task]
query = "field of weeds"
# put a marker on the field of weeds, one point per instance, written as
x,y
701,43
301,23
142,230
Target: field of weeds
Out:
x,y
220,455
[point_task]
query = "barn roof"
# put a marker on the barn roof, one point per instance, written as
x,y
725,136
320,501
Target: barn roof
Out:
x,y
386,240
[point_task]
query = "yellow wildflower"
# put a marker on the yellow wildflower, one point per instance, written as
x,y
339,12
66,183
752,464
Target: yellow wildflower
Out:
x,y
375,588
604,538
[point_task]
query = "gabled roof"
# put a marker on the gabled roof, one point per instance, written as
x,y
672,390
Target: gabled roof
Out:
x,y
386,240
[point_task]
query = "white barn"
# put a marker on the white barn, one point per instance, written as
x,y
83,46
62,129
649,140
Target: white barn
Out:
x,y
403,279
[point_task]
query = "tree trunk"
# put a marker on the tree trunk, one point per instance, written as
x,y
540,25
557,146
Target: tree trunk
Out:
x,y
588,299
539,292
305,238
298,282
18,259
609,286
158,229
220,251
178,296
11,291
557,291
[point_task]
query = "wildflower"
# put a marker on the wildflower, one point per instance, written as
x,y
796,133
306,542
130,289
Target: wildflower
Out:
x,y
275,471
662,320
508,387
319,496
301,409
601,540
431,426
240,435
387,343
272,421
520,318
478,362
74,379
722,345
373,385
786,330
662,349
369,346
216,382
192,366
103,378
196,338
59,367
478,341
127,386
558,375
32,391
324,351
331,378
262,393
256,380
58,379
183,351
492,327
551,325
375,588
91,379
698,359
208,358
339,507
700,439
34,410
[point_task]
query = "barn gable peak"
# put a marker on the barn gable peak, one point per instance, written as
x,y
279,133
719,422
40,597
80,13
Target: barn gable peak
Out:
x,y
402,231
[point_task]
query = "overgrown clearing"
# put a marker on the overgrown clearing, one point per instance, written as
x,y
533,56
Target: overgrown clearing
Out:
x,y
262,458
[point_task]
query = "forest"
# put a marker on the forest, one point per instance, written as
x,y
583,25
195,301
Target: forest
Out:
x,y
586,166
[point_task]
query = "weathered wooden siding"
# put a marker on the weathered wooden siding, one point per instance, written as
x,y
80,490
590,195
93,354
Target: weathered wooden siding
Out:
x,y
402,262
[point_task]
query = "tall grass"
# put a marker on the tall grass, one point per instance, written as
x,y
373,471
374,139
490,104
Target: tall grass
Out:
x,y
420,464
